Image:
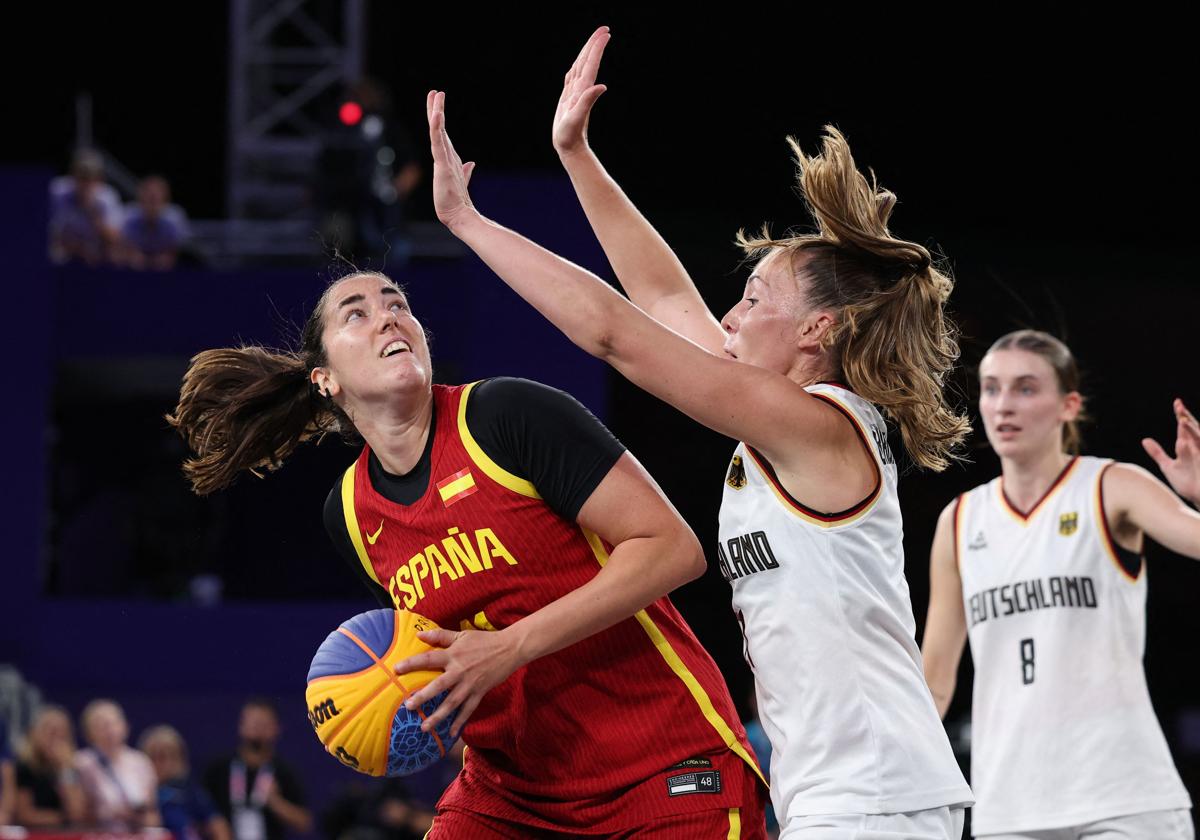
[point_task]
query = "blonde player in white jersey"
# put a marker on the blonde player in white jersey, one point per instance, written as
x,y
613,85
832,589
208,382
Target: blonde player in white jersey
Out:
x,y
810,528
1042,568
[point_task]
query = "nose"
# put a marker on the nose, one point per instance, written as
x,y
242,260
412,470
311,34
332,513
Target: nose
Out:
x,y
390,319
730,322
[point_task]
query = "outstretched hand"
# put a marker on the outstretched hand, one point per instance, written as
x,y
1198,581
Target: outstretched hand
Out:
x,y
579,94
451,201
1182,471
472,661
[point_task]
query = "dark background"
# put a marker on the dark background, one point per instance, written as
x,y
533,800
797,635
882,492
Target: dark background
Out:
x,y
1047,156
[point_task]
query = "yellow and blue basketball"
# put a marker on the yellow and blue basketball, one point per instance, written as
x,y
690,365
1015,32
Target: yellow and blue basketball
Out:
x,y
356,699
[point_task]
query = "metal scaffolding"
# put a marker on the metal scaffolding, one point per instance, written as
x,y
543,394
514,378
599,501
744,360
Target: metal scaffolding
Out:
x,y
288,60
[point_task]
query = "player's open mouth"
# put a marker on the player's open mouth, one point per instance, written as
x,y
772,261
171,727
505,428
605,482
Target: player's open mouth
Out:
x,y
394,348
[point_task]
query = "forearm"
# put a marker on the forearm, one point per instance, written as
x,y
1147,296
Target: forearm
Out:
x,y
941,686
295,817
644,263
576,301
638,572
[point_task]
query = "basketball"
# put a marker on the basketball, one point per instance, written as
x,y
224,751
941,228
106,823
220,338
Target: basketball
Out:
x,y
356,699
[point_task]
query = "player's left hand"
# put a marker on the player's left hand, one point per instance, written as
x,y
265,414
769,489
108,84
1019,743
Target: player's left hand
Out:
x,y
472,662
451,201
1182,471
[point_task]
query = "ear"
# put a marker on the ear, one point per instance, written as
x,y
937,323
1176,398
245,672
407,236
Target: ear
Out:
x,y
1072,405
815,329
324,380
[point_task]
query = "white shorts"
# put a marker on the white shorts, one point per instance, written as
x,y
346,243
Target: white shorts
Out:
x,y
943,823
1152,825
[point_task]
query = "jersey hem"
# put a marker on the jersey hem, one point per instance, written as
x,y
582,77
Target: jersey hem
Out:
x,y
1048,823
959,796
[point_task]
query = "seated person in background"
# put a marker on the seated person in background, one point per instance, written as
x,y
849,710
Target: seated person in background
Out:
x,y
85,213
187,810
121,788
8,778
154,229
258,792
48,791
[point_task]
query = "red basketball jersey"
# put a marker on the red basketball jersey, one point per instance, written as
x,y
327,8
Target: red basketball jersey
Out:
x,y
583,738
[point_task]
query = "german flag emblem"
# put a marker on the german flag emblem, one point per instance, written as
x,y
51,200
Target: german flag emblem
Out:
x,y
457,487
737,473
1068,524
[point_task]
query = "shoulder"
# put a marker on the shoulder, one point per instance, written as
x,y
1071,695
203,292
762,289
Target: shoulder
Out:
x,y
510,393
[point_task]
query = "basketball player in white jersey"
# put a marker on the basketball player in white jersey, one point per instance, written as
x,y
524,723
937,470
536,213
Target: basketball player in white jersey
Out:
x,y
1042,568
810,526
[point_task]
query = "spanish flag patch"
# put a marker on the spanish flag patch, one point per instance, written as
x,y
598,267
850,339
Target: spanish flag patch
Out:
x,y
457,487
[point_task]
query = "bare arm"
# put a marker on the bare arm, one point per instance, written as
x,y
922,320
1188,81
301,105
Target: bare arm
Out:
x,y
653,552
217,828
945,623
296,817
644,263
745,402
8,792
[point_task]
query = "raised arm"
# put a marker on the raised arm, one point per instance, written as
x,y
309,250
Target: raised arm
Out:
x,y
945,623
1134,500
745,402
644,263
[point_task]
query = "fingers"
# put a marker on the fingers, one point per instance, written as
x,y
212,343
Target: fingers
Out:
x,y
427,692
431,660
1182,413
1157,453
468,168
594,52
464,712
440,637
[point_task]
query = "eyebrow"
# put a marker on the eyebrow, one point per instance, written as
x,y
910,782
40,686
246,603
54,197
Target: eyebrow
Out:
x,y
1029,376
359,298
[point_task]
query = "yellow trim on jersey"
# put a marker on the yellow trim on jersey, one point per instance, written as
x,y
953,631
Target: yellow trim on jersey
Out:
x,y
681,670
1106,537
352,522
490,468
735,824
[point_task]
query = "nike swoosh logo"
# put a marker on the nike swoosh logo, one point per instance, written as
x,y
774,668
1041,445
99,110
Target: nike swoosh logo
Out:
x,y
372,537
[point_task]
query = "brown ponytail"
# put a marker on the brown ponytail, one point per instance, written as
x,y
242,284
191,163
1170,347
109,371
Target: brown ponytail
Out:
x,y
248,408
893,342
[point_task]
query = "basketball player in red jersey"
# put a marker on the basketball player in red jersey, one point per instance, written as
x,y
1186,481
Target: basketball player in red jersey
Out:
x,y
508,514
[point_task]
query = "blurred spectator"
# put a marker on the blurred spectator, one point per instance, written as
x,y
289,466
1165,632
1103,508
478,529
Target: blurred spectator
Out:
x,y
8,779
187,810
258,793
386,812
49,793
154,229
121,788
366,171
85,213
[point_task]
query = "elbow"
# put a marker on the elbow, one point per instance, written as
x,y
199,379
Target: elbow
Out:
x,y
690,556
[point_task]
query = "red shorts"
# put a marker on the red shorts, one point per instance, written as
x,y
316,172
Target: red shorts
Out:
x,y
746,822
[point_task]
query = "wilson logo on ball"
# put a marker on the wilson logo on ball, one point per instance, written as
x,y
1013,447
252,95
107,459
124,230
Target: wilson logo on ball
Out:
x,y
323,712
355,698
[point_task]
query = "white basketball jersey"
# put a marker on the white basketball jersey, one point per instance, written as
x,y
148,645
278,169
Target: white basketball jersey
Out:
x,y
1063,732
829,634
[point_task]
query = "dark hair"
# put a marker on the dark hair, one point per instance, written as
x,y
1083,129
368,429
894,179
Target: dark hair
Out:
x,y
1066,371
893,342
261,701
248,408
